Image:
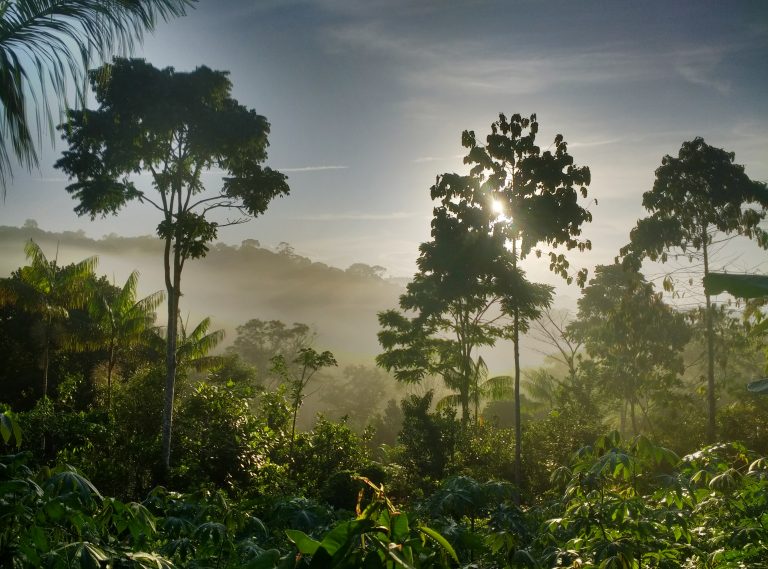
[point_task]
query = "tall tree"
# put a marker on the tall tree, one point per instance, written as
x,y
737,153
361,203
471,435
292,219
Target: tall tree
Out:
x,y
697,196
45,44
52,291
536,197
634,339
174,126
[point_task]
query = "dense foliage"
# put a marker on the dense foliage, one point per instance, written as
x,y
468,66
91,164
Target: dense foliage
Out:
x,y
281,461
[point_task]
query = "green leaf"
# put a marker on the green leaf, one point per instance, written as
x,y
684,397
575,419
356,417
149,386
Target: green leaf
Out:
x,y
432,534
269,559
305,544
145,560
9,428
400,527
340,536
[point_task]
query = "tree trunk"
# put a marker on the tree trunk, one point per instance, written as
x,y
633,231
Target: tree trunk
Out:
x,y
46,356
466,372
711,403
172,281
516,347
518,420
110,368
623,418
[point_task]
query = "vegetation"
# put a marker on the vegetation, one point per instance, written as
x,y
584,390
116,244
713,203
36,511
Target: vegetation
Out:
x,y
599,459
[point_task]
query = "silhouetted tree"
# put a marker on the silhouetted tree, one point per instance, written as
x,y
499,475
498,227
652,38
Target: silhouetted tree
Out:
x,y
696,196
461,294
307,363
536,200
174,126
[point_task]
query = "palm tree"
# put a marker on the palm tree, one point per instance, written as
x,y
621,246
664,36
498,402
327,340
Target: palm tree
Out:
x,y
193,347
45,45
481,387
45,288
122,321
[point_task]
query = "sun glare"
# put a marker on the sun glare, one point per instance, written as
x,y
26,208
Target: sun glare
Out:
x,y
497,207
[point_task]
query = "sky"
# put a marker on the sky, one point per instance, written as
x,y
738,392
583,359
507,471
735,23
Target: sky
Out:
x,y
367,101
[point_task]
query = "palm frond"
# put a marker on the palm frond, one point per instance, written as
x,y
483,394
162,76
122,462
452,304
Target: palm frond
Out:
x,y
47,44
193,347
451,401
497,387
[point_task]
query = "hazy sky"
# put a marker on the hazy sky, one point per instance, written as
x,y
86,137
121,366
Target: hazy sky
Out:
x,y
367,101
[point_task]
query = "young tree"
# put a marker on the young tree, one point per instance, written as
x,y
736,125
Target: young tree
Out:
x,y
697,196
634,339
536,198
45,44
308,363
174,126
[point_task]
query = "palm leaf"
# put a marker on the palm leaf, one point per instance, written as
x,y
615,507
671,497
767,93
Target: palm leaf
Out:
x,y
497,387
45,45
193,347
451,401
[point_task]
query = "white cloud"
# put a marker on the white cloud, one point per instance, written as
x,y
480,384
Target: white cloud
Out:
x,y
354,216
700,67
590,143
312,168
50,180
424,159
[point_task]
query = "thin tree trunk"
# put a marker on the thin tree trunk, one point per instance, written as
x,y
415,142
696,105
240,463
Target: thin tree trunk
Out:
x,y
711,403
110,368
518,419
516,347
466,371
623,418
46,356
172,281
296,403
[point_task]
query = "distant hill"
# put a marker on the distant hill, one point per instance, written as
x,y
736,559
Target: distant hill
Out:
x,y
233,284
